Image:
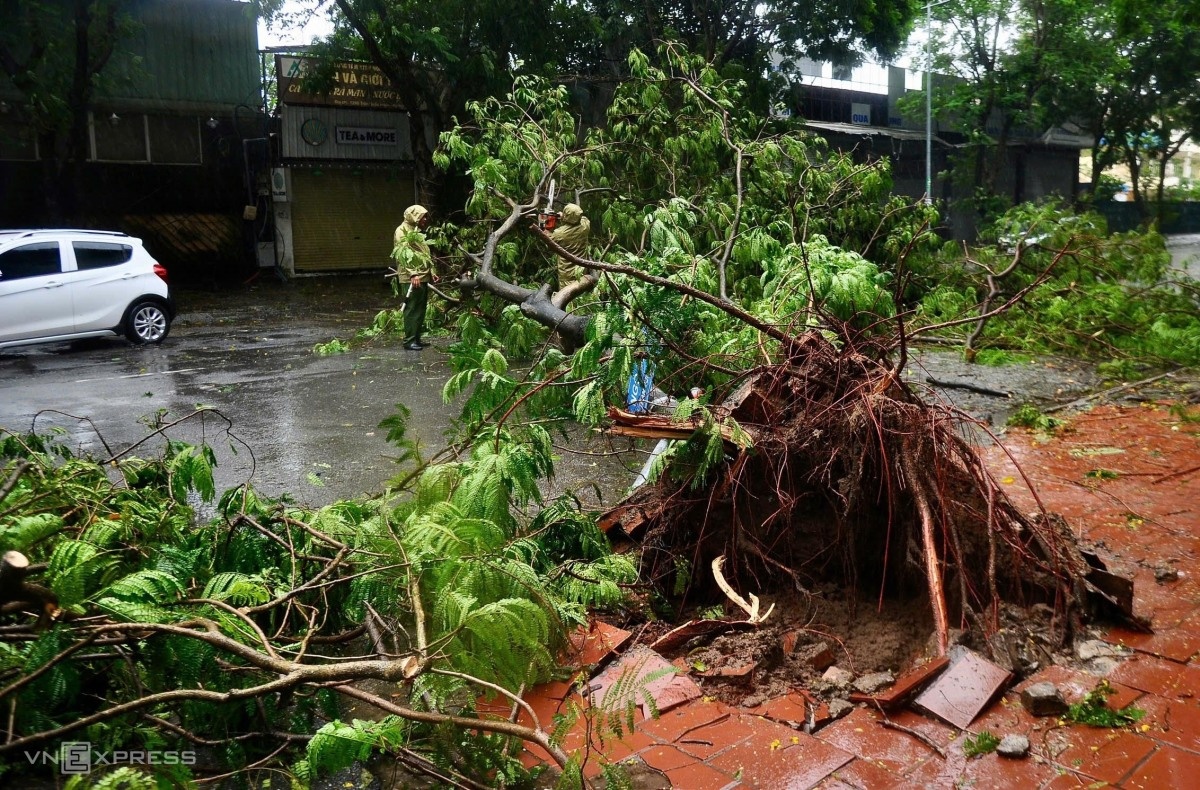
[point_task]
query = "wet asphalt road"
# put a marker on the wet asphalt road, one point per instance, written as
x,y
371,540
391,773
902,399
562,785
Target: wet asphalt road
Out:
x,y
293,417
289,421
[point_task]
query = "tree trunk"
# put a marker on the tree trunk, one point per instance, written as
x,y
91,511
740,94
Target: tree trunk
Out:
x,y
427,178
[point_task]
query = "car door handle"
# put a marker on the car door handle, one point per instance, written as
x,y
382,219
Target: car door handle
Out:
x,y
53,284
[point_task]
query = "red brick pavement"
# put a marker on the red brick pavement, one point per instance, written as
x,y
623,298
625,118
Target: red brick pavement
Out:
x,y
1144,514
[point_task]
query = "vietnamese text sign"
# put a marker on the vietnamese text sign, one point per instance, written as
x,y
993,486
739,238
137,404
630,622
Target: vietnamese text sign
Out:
x,y
354,85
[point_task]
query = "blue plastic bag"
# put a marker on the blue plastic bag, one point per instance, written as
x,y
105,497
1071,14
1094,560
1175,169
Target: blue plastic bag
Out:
x,y
641,381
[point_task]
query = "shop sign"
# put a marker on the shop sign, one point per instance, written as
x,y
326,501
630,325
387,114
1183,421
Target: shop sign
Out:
x,y
363,135
279,190
860,113
354,85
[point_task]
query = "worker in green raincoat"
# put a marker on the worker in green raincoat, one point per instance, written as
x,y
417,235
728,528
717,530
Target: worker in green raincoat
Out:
x,y
571,233
414,262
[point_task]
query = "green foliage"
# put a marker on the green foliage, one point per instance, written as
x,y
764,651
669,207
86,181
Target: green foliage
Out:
x,y
1105,187
332,348
596,585
1185,412
337,744
1092,294
496,595
24,533
978,745
842,284
238,589
396,426
1093,710
123,778
386,322
1030,416
683,576
1119,370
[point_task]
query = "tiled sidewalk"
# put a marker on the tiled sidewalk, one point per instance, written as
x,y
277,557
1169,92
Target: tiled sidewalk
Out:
x,y
1126,479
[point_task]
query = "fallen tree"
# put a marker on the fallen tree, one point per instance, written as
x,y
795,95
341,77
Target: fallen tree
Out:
x,y
732,269
842,471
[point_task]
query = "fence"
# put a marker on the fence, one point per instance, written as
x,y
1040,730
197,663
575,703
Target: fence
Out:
x,y
1178,216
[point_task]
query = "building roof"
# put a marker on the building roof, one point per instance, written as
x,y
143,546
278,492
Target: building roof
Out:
x,y
1055,136
864,130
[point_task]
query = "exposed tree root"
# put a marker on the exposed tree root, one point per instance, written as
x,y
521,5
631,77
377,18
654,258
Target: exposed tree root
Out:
x,y
854,479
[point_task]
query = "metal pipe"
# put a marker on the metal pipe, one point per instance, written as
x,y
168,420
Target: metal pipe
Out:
x,y
928,104
929,4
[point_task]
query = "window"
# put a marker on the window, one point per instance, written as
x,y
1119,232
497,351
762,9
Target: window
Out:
x,y
122,140
173,140
30,260
98,254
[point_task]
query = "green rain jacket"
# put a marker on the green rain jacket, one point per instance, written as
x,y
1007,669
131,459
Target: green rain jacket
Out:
x,y
572,235
409,248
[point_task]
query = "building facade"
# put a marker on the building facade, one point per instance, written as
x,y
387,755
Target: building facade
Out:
x,y
173,125
344,169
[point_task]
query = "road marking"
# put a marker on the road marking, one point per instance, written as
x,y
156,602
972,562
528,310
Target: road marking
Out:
x,y
142,375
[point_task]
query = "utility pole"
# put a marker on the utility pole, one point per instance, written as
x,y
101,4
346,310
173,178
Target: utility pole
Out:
x,y
929,4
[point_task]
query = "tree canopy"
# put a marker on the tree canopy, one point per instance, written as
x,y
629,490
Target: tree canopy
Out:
x,y
1119,71
55,55
443,56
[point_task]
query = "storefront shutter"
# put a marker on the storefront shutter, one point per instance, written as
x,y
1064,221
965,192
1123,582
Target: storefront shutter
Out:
x,y
343,219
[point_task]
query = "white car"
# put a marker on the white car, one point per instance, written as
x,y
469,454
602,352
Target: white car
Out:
x,y
60,285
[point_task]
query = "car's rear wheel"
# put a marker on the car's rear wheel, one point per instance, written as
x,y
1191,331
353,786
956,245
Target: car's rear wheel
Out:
x,y
147,322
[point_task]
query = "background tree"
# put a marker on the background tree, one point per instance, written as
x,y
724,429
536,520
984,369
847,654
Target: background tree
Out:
x,y
1158,106
991,95
753,40
441,56
1120,70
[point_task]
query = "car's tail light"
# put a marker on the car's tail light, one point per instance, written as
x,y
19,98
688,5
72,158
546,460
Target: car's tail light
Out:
x,y
161,271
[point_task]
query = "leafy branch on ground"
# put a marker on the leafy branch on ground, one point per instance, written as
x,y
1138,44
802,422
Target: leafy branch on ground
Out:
x,y
1093,709
239,634
1029,416
978,745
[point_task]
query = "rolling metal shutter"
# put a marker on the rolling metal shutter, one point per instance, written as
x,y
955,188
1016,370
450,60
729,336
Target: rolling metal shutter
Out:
x,y
343,220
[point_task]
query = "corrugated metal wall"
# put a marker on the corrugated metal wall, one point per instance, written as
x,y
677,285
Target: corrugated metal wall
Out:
x,y
297,140
196,55
343,219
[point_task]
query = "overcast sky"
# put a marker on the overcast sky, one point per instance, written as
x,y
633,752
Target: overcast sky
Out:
x,y
300,23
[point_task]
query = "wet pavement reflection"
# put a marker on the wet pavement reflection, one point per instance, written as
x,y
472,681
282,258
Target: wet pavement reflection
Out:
x,y
286,419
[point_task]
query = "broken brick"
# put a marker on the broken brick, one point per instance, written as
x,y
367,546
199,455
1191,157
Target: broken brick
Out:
x,y
906,685
964,689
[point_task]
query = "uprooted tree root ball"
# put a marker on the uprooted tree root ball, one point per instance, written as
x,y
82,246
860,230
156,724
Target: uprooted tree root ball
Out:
x,y
854,480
